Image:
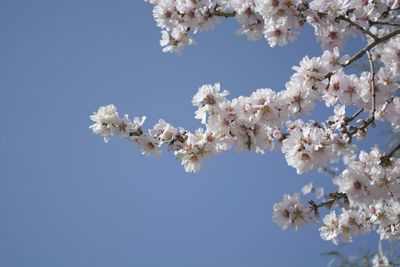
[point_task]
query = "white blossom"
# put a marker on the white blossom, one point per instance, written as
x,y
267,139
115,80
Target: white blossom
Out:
x,y
331,229
207,98
106,119
368,187
306,189
290,212
380,261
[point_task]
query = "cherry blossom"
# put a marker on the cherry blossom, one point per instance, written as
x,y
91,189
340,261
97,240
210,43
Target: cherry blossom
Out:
x,y
367,189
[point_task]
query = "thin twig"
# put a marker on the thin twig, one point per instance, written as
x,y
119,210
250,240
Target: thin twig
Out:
x,y
373,86
393,150
335,197
371,118
384,23
387,156
355,115
224,14
358,26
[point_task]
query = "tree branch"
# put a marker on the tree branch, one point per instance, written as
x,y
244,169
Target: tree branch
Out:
x,y
355,115
334,198
387,157
384,23
370,46
356,25
224,14
373,86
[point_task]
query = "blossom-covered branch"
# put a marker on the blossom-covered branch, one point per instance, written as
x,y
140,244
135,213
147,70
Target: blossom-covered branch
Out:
x,y
368,188
277,20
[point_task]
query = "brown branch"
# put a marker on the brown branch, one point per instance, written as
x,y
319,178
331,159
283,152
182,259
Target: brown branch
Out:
x,y
370,46
373,86
355,115
224,14
352,23
384,23
334,198
385,159
363,51
356,25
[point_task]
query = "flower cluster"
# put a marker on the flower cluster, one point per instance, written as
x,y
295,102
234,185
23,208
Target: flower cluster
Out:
x,y
290,212
278,20
372,187
349,224
368,188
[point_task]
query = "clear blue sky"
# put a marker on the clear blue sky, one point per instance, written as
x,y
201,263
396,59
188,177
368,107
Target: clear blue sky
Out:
x,y
67,199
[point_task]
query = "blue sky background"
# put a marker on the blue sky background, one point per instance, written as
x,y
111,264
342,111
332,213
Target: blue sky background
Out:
x,y
67,199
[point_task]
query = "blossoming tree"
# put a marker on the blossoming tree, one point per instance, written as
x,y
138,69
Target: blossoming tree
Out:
x,y
368,188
